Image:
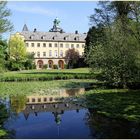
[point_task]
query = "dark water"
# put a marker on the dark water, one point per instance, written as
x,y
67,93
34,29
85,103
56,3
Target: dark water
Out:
x,y
59,117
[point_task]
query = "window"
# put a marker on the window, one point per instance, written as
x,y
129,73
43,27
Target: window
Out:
x,y
50,45
32,44
32,36
51,98
65,38
50,53
39,99
33,99
44,53
83,46
38,44
45,99
76,38
55,45
61,45
77,45
38,54
44,44
72,45
27,45
67,45
61,53
55,53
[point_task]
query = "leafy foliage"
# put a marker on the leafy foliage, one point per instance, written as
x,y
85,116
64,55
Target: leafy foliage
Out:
x,y
19,58
17,48
5,24
3,54
118,56
72,57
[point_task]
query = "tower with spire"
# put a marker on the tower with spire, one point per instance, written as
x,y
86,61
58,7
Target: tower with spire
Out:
x,y
25,28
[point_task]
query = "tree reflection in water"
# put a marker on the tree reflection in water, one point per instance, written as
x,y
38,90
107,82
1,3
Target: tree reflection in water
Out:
x,y
4,114
103,127
18,103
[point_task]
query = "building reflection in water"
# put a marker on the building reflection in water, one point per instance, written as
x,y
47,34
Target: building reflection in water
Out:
x,y
57,103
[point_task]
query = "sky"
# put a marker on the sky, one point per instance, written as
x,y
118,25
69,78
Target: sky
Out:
x,y
73,15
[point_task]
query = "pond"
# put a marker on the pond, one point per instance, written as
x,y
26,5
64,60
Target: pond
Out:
x,y
61,115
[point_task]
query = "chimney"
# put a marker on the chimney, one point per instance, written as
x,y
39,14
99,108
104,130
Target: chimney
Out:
x,y
76,32
34,29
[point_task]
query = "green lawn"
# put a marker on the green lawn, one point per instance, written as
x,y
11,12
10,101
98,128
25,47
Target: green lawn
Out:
x,y
45,75
77,70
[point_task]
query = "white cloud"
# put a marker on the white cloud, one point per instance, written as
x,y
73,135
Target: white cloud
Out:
x,y
34,9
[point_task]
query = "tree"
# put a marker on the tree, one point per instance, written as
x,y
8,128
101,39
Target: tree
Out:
x,y
17,52
118,57
17,49
29,63
94,37
72,57
3,54
5,24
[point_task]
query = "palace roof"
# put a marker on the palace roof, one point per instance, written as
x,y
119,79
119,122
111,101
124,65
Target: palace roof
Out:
x,y
53,36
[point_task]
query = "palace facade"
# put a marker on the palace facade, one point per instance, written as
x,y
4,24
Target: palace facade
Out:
x,y
49,48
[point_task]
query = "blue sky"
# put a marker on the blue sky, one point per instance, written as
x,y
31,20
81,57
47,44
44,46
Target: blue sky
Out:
x,y
73,15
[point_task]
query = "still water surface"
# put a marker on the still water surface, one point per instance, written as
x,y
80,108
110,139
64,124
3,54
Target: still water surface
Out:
x,y
62,115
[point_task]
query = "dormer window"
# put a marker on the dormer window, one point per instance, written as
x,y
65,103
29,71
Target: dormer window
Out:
x,y
66,38
32,36
53,38
76,38
43,37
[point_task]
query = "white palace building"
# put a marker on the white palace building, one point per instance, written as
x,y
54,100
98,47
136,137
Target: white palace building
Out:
x,y
49,48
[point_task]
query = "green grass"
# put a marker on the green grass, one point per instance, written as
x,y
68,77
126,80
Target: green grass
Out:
x,y
115,103
46,75
77,70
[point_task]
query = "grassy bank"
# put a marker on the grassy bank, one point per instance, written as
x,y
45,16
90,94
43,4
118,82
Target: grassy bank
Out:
x,y
115,103
14,88
46,75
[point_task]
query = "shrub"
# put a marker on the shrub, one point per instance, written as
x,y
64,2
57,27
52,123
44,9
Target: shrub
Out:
x,y
65,66
45,66
55,66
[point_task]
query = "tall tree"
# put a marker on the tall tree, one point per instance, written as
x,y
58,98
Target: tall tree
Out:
x,y
118,57
5,24
94,37
17,48
17,52
3,54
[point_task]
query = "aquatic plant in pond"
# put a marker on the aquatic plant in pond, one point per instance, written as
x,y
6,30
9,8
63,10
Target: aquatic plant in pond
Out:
x,y
46,87
115,103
